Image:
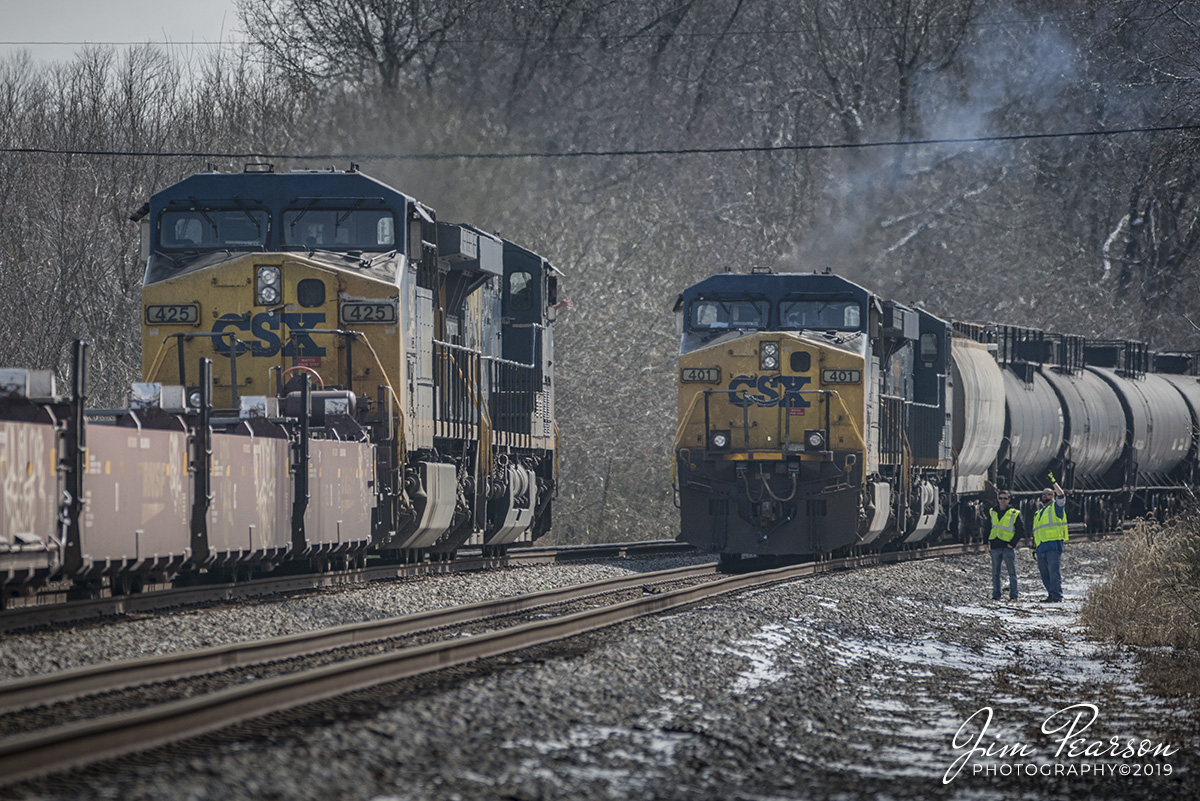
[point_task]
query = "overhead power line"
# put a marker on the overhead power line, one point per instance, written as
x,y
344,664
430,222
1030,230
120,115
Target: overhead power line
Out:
x,y
650,33
615,153
164,43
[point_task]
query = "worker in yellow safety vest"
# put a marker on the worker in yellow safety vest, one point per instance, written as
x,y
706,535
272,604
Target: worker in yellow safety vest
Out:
x,y
1006,527
1049,536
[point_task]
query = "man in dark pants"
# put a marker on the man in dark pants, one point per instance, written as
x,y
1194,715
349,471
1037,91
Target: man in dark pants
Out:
x,y
1049,536
1006,526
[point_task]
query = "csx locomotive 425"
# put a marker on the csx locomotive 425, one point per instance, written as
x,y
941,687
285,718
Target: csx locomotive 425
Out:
x,y
328,371
816,417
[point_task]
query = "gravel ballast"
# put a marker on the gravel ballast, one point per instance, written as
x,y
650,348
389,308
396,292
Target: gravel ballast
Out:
x,y
37,652
843,686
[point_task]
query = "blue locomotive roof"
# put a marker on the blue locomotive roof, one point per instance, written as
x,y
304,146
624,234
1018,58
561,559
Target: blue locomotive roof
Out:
x,y
208,217
733,304
276,190
773,285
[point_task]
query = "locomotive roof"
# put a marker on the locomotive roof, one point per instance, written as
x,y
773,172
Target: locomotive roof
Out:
x,y
276,190
771,285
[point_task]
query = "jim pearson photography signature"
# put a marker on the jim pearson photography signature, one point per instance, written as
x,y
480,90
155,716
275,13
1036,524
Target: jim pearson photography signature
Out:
x,y
1069,725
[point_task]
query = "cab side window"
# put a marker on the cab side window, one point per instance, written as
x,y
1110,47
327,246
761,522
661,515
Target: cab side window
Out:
x,y
520,291
929,346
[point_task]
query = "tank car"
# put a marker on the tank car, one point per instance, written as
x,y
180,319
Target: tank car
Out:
x,y
1120,434
428,339
816,417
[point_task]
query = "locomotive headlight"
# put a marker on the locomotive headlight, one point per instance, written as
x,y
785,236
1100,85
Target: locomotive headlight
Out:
x,y
814,440
194,399
718,440
267,284
768,356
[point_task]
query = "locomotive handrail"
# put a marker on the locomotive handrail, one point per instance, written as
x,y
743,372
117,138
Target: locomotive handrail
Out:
x,y
512,418
509,362
683,421
382,372
485,418
234,351
686,418
349,335
918,404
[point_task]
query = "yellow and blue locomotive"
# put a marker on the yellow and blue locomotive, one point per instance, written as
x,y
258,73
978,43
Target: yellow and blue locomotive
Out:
x,y
793,390
329,372
429,340
816,417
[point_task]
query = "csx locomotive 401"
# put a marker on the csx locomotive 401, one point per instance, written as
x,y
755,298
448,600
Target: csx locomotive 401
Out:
x,y
328,371
816,417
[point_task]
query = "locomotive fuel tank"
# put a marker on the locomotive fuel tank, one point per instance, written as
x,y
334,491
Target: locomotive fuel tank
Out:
x,y
1035,426
1095,424
1160,425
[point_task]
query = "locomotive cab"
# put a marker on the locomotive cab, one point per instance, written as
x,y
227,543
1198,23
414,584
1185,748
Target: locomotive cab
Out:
x,y
428,339
268,274
773,378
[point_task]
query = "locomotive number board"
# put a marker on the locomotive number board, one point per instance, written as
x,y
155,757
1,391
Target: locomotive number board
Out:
x,y
706,375
841,376
358,311
177,313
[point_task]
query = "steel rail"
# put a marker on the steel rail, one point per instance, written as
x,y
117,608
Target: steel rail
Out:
x,y
21,617
108,677
75,745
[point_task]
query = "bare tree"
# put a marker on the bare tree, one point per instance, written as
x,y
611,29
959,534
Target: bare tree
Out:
x,y
972,230
358,42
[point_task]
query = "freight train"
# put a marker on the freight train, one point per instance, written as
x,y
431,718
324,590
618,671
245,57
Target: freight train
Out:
x,y
816,417
329,371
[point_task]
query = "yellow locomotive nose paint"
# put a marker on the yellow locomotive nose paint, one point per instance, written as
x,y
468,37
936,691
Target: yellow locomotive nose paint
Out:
x,y
775,453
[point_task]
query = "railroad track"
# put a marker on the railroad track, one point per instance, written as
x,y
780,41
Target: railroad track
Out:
x,y
556,616
50,608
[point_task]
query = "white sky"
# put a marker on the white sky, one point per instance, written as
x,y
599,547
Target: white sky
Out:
x,y
189,24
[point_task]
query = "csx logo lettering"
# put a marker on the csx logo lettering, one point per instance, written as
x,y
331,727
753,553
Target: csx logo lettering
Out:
x,y
769,390
264,328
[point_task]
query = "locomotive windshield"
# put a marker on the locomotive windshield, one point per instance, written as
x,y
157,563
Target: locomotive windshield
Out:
x,y
339,229
821,314
720,315
220,229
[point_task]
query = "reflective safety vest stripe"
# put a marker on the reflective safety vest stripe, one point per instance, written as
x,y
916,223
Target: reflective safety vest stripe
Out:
x,y
1004,528
1048,527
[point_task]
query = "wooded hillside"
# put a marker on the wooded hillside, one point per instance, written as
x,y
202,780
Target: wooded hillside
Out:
x,y
1021,162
